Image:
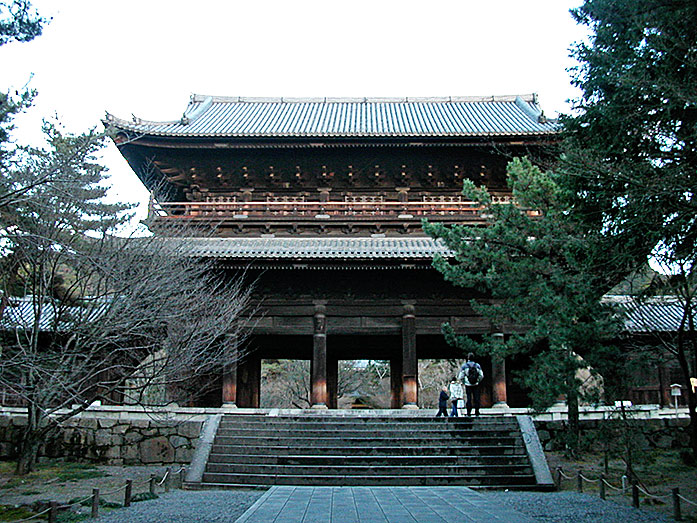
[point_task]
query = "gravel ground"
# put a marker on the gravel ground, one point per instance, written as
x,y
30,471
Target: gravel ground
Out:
x,y
572,507
226,506
184,506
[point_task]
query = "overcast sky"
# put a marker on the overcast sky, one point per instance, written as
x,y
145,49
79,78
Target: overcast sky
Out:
x,y
146,57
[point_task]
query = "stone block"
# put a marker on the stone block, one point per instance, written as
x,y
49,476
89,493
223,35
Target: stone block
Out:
x,y
129,453
19,421
179,441
112,453
89,423
191,430
102,438
4,421
140,423
663,441
156,450
105,423
183,455
120,429
132,437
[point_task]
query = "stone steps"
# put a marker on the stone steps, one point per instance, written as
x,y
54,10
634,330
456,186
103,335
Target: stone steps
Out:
x,y
364,433
496,450
373,450
340,460
222,481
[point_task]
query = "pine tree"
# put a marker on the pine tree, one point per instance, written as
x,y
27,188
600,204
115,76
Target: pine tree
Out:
x,y
631,146
542,273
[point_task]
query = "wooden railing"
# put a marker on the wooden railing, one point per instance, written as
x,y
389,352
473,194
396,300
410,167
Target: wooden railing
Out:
x,y
318,210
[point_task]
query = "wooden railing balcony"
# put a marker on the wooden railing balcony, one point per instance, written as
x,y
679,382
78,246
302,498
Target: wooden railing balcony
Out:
x,y
317,210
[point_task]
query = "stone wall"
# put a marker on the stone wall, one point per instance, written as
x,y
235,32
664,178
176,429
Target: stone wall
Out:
x,y
666,433
125,438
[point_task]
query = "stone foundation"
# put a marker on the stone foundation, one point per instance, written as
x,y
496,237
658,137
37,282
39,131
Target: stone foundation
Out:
x,y
647,434
126,437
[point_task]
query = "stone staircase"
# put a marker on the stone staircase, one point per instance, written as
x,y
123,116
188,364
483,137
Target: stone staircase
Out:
x,y
375,450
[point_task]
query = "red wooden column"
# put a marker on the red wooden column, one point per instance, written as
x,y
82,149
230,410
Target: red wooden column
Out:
x,y
230,375
318,366
498,377
332,382
248,381
396,382
410,394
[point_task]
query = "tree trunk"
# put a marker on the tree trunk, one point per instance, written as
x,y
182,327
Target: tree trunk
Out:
x,y
28,453
692,409
31,440
572,413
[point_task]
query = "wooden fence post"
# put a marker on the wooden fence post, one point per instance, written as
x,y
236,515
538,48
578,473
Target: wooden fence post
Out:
x,y
152,483
168,473
579,482
559,478
635,495
53,512
127,494
677,514
602,486
182,471
95,502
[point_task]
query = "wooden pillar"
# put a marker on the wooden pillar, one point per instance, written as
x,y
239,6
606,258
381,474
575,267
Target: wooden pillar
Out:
x,y
410,389
498,377
230,375
318,366
396,382
332,382
248,381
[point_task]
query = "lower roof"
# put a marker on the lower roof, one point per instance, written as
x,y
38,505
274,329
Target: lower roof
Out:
x,y
415,248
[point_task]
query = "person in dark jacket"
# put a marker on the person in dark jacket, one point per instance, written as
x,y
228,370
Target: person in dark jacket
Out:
x,y
471,373
443,402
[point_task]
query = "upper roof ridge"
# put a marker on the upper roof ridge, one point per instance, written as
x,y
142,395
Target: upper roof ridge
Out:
x,y
530,98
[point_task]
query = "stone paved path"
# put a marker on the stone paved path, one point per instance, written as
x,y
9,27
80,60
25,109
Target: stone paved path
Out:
x,y
378,505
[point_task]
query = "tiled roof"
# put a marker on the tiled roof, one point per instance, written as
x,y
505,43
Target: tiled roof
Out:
x,y
209,116
315,248
20,314
659,314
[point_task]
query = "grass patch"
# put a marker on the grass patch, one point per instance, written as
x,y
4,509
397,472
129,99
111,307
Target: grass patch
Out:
x,y
61,471
69,517
88,502
10,513
144,496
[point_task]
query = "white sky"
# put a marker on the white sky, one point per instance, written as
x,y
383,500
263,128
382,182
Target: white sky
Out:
x,y
146,57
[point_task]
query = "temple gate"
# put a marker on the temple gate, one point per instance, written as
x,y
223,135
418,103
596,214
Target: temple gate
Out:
x,y
320,202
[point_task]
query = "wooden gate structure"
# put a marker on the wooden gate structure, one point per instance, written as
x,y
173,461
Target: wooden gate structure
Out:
x,y
320,201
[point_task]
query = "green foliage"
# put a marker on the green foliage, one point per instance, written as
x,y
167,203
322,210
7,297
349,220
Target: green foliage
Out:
x,y
12,513
631,146
543,275
51,470
19,22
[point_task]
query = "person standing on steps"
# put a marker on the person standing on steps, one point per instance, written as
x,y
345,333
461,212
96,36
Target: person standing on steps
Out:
x,y
471,373
455,395
443,403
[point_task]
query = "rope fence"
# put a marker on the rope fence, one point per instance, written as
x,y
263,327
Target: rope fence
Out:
x,y
625,487
96,497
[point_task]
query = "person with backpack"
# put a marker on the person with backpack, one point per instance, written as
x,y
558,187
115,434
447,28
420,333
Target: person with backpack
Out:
x,y
455,395
471,373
